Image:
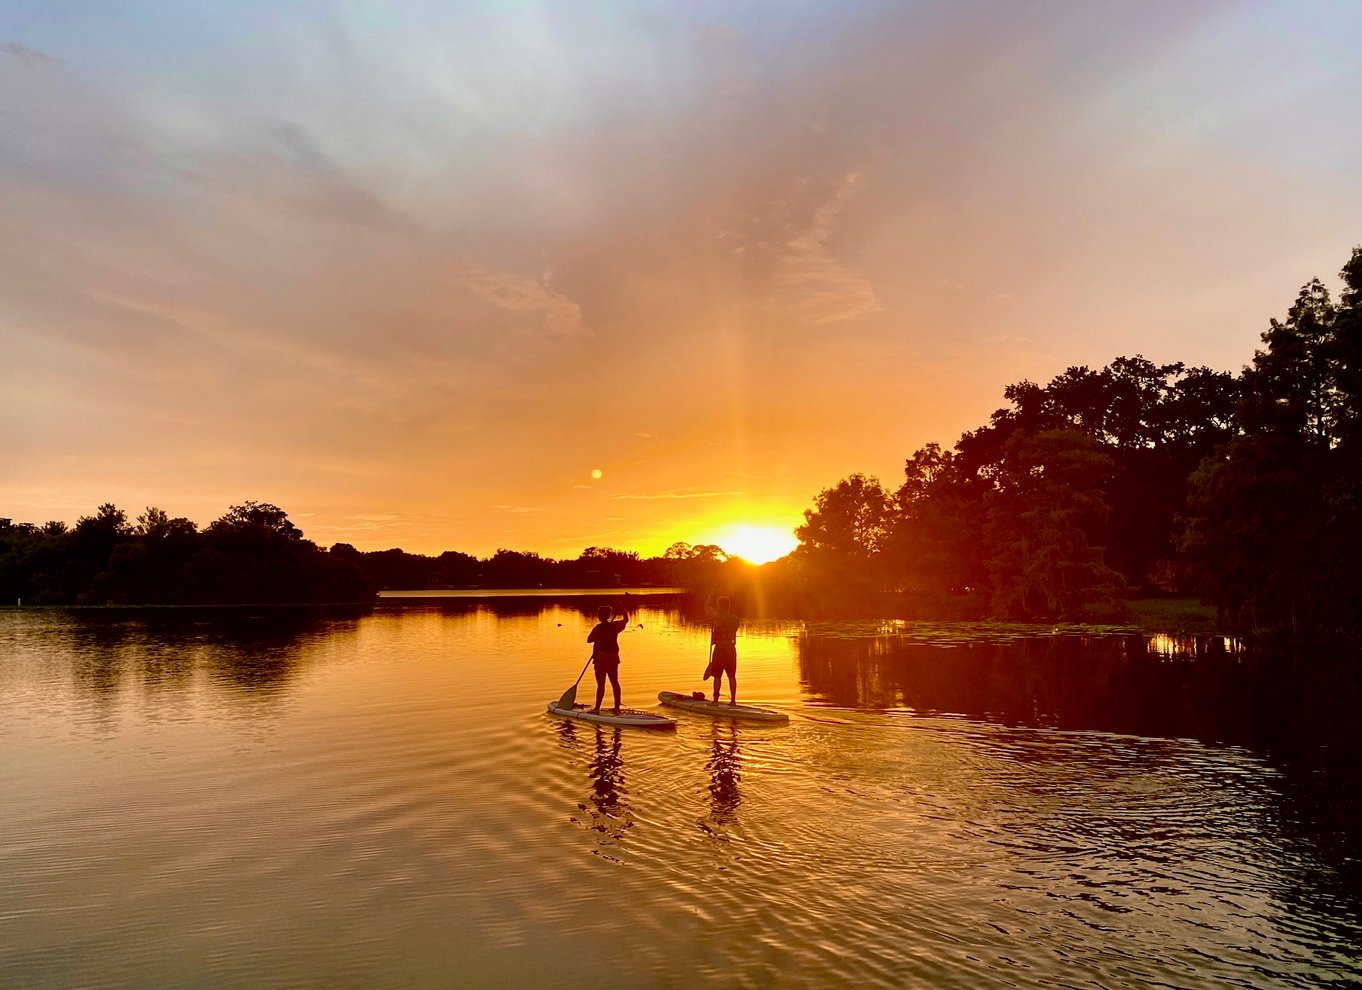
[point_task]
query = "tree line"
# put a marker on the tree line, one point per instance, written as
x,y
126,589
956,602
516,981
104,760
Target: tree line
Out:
x,y
254,554
1133,478
681,565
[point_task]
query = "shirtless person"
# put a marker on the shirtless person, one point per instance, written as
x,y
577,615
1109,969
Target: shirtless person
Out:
x,y
723,640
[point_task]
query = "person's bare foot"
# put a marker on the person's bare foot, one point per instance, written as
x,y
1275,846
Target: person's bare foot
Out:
x,y
614,711
595,711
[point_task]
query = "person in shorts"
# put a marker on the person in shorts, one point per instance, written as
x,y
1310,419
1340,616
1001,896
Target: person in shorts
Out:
x,y
723,640
605,654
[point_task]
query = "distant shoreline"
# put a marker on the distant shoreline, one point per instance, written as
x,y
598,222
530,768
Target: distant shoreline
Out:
x,y
1176,616
417,593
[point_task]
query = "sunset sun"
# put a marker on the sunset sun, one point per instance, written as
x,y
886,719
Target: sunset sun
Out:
x,y
757,544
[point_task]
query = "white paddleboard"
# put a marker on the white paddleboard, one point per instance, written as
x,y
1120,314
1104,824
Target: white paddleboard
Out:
x,y
721,709
627,716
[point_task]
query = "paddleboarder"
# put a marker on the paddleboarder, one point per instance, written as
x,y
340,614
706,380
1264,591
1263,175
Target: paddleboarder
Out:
x,y
605,653
723,640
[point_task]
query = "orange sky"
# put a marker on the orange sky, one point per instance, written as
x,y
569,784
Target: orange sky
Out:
x,y
413,272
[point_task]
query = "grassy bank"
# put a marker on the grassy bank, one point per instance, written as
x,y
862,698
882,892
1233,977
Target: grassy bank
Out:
x,y
1174,615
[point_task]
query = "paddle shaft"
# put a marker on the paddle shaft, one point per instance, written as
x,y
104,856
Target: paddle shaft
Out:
x,y
570,695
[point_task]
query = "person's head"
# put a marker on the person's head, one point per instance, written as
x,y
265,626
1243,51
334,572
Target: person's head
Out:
x,y
722,602
604,612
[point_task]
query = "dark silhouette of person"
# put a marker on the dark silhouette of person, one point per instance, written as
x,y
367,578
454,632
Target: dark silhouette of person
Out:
x,y
605,653
723,640
607,806
725,770
607,773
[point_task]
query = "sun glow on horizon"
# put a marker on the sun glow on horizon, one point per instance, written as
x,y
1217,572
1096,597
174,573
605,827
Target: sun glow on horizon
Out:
x,y
756,544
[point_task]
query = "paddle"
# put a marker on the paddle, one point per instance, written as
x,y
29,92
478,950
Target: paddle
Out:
x,y
570,695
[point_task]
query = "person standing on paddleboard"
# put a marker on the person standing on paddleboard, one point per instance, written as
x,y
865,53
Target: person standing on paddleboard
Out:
x,y
723,646
605,653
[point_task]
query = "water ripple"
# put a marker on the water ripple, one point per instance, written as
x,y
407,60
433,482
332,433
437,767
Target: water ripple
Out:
x,y
383,803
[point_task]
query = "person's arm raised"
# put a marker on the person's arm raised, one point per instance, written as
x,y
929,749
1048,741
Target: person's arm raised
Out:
x,y
709,601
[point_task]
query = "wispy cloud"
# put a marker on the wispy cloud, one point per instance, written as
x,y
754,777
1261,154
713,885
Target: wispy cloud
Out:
x,y
814,284
668,496
30,55
787,246
516,294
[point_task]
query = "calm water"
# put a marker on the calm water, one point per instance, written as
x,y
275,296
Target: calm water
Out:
x,y
377,799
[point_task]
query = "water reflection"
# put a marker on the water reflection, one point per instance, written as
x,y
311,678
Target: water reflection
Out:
x,y
529,604
1184,646
725,771
396,823
607,811
258,651
1298,710
1197,687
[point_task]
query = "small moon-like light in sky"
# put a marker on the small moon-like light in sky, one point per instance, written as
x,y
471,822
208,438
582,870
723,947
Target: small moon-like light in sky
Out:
x,y
597,473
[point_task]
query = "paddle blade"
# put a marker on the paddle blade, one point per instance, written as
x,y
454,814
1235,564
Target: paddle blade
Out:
x,y
570,695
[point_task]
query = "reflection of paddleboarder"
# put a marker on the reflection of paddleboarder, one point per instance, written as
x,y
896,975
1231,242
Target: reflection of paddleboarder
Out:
x,y
607,772
605,653
723,639
607,808
725,770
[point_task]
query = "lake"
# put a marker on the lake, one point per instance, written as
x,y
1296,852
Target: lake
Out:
x,y
375,797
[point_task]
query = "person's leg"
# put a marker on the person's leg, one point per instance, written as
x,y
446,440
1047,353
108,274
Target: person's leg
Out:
x,y
600,688
615,687
718,676
733,684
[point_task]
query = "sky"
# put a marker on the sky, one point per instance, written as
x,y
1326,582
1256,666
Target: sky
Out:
x,y
546,276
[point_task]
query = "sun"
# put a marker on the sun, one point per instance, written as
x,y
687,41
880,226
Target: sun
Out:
x,y
757,544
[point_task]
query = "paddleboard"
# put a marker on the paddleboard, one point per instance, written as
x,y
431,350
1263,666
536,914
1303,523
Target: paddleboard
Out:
x,y
721,709
627,716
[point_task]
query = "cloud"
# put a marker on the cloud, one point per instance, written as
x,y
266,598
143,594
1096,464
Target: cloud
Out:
x,y
283,166
810,281
31,56
668,496
786,250
515,294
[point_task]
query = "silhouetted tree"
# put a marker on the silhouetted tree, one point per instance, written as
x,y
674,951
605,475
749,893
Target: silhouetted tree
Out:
x,y
839,562
1274,519
1042,519
516,569
1155,421
936,540
850,520
151,566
